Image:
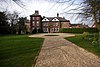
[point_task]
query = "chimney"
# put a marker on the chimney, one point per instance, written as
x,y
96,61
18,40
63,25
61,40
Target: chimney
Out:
x,y
57,14
36,12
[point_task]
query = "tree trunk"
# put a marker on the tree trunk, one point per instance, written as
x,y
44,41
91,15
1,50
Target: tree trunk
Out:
x,y
97,25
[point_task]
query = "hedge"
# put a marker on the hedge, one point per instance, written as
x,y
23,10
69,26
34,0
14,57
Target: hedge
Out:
x,y
78,30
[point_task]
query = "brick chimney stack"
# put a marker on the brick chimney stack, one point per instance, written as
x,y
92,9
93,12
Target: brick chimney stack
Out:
x,y
36,12
57,14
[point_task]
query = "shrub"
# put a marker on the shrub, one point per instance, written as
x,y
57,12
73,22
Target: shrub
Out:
x,y
78,30
34,31
85,34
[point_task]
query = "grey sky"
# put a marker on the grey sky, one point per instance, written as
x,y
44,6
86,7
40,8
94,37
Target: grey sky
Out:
x,y
45,7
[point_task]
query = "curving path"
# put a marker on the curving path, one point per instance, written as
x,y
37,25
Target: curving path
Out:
x,y
58,52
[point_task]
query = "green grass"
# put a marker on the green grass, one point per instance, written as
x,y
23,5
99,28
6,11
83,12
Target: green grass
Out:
x,y
19,50
85,43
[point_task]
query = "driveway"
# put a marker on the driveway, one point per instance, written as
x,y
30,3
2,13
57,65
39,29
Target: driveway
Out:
x,y
58,52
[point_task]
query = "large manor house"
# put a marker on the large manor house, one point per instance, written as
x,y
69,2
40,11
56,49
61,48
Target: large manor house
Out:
x,y
49,24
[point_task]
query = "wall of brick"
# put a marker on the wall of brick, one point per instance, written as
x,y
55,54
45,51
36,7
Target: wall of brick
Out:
x,y
65,25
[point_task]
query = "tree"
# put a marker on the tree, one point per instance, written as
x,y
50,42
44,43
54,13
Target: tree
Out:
x,y
4,26
92,10
21,25
13,19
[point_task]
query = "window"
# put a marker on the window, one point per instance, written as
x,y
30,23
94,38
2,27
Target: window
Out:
x,y
45,24
33,18
58,29
55,29
45,29
33,23
52,29
56,24
37,29
33,28
53,24
37,23
37,18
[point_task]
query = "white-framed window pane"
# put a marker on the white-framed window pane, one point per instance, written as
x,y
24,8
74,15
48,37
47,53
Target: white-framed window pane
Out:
x,y
44,24
37,23
56,24
52,29
33,23
58,29
44,29
33,18
55,29
47,29
33,28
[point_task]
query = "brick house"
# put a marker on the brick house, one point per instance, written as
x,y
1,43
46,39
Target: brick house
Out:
x,y
35,22
47,24
76,25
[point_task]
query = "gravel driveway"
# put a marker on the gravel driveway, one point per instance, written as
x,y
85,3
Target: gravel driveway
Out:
x,y
58,52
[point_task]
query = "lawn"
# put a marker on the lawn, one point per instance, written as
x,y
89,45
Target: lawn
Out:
x,y
19,50
86,43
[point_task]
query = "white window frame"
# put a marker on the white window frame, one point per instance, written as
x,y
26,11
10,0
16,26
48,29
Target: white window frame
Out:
x,y
52,29
33,23
56,24
45,29
37,23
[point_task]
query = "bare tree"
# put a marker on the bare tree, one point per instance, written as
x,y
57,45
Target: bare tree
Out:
x,y
92,10
13,19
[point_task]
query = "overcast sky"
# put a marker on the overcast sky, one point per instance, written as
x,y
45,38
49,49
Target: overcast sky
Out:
x,y
48,8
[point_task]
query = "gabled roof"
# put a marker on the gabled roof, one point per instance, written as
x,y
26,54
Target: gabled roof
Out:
x,y
50,18
62,19
59,18
55,19
45,19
